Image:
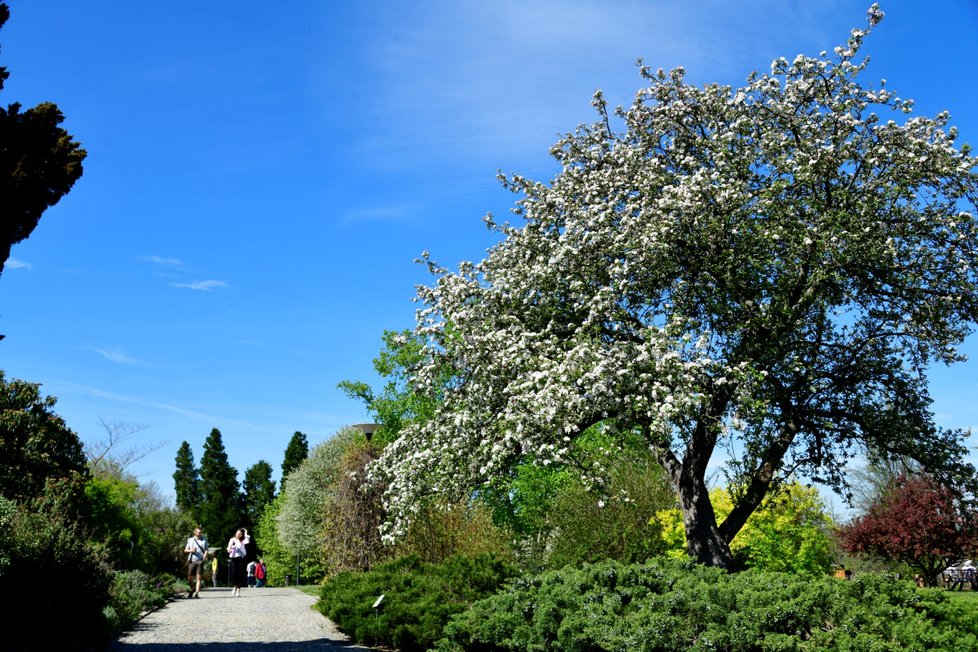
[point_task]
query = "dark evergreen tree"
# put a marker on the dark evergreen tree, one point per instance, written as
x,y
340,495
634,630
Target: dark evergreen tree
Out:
x,y
259,490
39,162
295,453
220,498
186,481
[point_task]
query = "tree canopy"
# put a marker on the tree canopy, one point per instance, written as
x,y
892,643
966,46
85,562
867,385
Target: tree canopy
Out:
x,y
918,521
296,451
220,498
258,490
186,480
39,163
759,274
36,445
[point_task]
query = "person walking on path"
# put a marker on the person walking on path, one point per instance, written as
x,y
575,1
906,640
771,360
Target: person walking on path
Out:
x,y
196,550
260,572
251,574
214,571
237,553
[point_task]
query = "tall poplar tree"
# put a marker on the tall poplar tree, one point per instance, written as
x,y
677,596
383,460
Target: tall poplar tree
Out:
x,y
259,490
295,453
186,481
220,498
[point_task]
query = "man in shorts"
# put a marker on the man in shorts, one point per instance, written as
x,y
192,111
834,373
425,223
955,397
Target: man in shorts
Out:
x,y
196,550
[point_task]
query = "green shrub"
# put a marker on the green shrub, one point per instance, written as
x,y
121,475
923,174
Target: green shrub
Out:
x,y
56,582
669,605
419,598
134,592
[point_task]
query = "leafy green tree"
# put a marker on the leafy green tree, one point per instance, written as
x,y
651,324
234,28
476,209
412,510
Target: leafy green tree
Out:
x,y
617,521
36,445
220,497
39,163
769,270
258,491
397,404
186,480
279,559
788,533
295,453
115,523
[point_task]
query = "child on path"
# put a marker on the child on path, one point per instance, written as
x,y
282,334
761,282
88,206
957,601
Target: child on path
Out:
x,y
260,572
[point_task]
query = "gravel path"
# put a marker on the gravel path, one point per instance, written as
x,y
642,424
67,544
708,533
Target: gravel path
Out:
x,y
264,620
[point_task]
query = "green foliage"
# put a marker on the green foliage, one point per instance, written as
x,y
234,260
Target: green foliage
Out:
x,y
132,593
114,522
465,528
668,605
165,533
186,480
398,403
35,443
419,598
39,163
54,577
559,518
220,499
295,453
616,523
788,532
258,490
278,559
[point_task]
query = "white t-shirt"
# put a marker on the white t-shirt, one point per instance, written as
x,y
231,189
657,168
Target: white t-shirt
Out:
x,y
197,547
237,548
251,569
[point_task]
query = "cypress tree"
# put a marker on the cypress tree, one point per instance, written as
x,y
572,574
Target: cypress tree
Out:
x,y
295,453
186,481
220,498
259,490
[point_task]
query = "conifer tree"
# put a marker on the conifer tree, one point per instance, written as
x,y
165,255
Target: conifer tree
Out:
x,y
259,491
39,163
295,453
220,498
186,480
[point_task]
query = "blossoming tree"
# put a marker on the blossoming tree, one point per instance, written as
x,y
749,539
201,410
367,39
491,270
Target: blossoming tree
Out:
x,y
756,275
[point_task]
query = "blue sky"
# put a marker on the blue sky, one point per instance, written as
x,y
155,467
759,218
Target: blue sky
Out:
x,y
260,178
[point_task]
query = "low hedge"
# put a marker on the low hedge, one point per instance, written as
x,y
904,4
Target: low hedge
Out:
x,y
132,593
667,605
419,598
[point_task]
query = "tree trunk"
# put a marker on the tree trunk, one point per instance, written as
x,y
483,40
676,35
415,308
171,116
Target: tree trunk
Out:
x,y
703,540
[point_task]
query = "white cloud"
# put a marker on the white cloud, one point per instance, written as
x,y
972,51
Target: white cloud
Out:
x,y
116,354
13,263
201,286
174,263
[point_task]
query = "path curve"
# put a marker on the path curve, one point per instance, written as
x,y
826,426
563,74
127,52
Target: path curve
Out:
x,y
260,620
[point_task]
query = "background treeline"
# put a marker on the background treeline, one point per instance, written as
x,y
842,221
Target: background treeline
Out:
x,y
82,542
78,530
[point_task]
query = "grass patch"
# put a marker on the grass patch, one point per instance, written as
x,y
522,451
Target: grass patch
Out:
x,y
310,589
